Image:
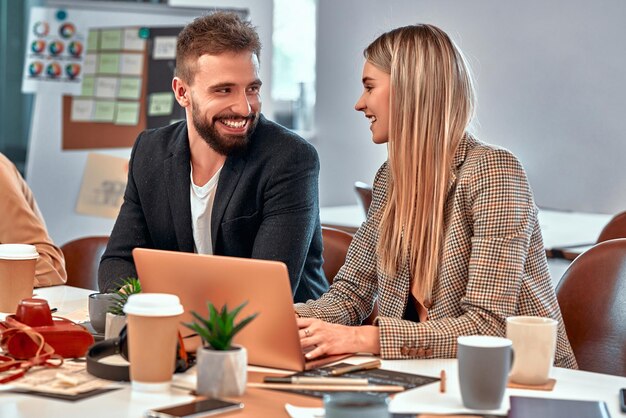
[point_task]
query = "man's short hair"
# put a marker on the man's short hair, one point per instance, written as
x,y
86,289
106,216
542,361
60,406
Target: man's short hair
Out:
x,y
213,34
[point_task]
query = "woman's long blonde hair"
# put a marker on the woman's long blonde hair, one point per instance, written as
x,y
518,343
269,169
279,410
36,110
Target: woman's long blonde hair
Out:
x,y
431,104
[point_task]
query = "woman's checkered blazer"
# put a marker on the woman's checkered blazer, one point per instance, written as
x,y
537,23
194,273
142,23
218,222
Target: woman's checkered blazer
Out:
x,y
493,265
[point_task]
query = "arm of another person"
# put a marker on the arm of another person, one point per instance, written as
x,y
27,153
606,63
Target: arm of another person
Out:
x,y
503,217
130,231
22,223
290,210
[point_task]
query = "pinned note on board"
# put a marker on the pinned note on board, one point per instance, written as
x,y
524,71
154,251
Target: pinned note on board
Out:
x,y
102,190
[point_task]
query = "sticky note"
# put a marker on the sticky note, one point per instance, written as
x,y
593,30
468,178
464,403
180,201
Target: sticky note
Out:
x,y
132,41
129,88
110,39
82,110
105,111
127,113
106,87
160,104
93,39
109,63
131,64
164,48
88,88
90,64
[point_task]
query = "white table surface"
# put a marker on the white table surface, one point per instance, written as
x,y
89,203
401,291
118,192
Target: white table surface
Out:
x,y
571,384
559,228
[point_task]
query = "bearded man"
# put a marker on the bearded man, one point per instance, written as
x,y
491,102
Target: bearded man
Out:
x,y
225,181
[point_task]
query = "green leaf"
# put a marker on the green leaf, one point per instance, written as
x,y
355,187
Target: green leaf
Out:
x,y
219,328
128,286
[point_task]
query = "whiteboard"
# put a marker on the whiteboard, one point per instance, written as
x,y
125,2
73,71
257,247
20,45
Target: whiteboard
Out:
x,y
54,175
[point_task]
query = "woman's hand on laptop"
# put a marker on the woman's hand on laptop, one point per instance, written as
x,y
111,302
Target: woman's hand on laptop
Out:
x,y
319,338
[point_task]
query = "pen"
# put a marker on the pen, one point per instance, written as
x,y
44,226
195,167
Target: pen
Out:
x,y
355,368
315,380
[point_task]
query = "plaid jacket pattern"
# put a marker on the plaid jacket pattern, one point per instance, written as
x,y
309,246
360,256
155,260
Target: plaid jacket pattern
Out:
x,y
493,265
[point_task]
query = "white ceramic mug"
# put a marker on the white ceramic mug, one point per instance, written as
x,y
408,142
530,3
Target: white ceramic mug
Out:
x,y
534,343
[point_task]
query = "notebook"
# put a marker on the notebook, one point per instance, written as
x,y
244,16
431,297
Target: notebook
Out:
x,y
523,407
271,339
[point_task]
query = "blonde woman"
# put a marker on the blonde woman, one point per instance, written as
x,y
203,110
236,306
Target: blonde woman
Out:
x,y
451,245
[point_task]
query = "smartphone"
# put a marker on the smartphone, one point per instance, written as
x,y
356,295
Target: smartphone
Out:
x,y
622,399
199,408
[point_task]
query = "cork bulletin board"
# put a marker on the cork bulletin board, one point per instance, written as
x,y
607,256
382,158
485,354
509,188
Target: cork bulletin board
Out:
x,y
111,110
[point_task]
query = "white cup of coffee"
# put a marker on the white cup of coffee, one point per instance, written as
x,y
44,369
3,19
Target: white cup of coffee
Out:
x,y
17,274
484,363
152,336
534,343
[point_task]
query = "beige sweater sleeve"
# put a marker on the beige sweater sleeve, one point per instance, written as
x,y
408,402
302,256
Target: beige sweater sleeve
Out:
x,y
21,222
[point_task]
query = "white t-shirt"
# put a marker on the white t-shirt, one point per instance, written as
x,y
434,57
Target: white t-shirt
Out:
x,y
202,198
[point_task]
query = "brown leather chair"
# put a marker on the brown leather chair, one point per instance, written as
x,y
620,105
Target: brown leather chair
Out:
x,y
616,228
592,295
364,195
82,258
336,245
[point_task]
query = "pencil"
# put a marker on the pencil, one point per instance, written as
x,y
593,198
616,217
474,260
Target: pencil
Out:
x,y
442,382
355,368
328,388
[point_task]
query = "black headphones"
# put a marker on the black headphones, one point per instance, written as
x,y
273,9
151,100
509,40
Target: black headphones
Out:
x,y
119,346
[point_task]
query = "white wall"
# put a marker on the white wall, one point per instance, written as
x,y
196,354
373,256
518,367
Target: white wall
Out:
x,y
55,175
551,88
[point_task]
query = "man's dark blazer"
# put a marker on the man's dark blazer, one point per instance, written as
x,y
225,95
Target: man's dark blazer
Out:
x,y
266,205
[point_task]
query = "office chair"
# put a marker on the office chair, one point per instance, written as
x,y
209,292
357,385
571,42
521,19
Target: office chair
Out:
x,y
82,258
591,295
336,245
364,195
616,228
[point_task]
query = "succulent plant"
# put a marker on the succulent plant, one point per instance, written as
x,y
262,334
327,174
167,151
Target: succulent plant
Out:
x,y
219,329
129,286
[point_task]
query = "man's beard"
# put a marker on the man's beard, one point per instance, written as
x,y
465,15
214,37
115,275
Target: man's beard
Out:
x,y
224,144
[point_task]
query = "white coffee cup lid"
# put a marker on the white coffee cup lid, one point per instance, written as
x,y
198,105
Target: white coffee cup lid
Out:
x,y
18,252
153,304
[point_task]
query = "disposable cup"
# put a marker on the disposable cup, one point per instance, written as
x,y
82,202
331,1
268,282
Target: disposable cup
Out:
x,y
17,274
152,336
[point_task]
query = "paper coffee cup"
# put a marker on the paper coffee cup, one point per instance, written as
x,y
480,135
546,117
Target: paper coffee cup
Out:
x,y
17,274
152,336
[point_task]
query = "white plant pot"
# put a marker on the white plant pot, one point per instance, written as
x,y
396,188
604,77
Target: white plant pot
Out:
x,y
113,325
221,373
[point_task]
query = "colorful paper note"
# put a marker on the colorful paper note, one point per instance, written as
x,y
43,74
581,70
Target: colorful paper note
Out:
x,y
127,113
105,111
110,39
161,104
129,88
109,63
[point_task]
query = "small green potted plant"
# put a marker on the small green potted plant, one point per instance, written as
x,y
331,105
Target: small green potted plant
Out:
x,y
221,366
116,318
